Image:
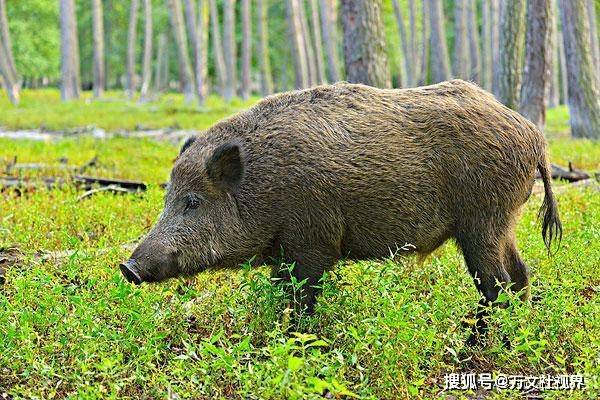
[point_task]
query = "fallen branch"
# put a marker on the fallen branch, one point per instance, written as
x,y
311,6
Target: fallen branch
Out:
x,y
79,181
571,175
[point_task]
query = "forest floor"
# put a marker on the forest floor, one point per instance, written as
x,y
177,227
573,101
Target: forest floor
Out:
x,y
71,326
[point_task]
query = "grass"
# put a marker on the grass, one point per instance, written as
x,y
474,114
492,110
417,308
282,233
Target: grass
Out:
x,y
72,327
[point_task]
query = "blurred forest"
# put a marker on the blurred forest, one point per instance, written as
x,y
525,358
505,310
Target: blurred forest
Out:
x,y
531,54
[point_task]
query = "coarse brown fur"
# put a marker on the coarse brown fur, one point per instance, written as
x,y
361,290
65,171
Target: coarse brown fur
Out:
x,y
351,171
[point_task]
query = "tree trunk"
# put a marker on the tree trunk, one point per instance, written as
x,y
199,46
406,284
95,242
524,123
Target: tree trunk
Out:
x,y
195,35
486,45
298,46
69,48
364,43
266,81
186,74
308,44
536,72
473,35
584,92
424,42
203,24
98,43
229,50
495,38
552,89
438,54
462,62
147,60
512,22
406,50
329,40
131,45
412,15
317,41
246,47
591,12
8,71
564,85
162,65
217,47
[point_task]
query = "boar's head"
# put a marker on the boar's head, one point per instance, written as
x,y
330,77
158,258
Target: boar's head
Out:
x,y
200,225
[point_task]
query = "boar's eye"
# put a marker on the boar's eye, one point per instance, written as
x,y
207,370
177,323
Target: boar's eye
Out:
x,y
192,201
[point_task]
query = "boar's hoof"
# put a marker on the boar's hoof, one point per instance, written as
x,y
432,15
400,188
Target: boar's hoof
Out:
x,y
129,272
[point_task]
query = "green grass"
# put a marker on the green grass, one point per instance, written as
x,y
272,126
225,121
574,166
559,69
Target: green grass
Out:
x,y
72,327
43,109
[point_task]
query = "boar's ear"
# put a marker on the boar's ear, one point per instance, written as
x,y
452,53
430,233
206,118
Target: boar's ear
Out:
x,y
224,167
189,141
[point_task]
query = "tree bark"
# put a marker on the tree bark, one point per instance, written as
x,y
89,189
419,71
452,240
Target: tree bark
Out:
x,y
317,41
217,47
229,50
266,80
364,43
486,45
308,44
329,40
412,15
552,89
69,51
406,50
511,52
298,46
203,25
98,43
162,66
462,62
495,39
424,63
177,25
194,33
591,13
246,46
584,92
536,72
131,45
147,59
473,35
6,43
438,54
564,85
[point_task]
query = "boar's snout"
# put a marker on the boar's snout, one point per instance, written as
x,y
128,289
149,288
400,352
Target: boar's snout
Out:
x,y
129,271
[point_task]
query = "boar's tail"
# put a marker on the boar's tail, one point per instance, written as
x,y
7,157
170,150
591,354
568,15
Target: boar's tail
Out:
x,y
551,226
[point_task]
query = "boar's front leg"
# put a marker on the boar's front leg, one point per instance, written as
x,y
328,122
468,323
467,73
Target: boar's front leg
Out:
x,y
306,266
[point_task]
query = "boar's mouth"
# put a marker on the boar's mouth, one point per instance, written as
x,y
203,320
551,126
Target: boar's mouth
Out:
x,y
129,271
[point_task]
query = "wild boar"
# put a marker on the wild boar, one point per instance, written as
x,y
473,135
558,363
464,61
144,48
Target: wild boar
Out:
x,y
350,171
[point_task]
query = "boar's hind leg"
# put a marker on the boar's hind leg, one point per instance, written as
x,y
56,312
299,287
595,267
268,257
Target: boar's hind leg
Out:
x,y
483,256
517,269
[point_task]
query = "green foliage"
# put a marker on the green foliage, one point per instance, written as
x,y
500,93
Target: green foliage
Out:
x,y
70,326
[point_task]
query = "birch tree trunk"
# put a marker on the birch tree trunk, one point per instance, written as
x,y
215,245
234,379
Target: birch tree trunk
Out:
x,y
266,80
195,35
424,63
69,48
536,72
317,41
406,50
246,44
438,54
98,43
229,52
147,60
584,93
364,43
329,41
162,66
185,66
462,62
512,22
217,47
564,82
131,45
473,36
298,46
